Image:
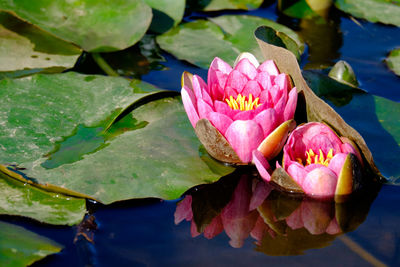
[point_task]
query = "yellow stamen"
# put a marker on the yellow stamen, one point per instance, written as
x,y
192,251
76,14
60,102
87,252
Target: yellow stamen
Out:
x,y
241,103
313,158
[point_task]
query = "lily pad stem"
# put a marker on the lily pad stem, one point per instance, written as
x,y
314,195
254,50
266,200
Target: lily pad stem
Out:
x,y
103,65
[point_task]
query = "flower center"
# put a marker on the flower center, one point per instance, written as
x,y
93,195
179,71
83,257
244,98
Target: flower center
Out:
x,y
241,103
313,158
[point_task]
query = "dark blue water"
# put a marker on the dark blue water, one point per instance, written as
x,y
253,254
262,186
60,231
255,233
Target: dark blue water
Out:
x,y
143,232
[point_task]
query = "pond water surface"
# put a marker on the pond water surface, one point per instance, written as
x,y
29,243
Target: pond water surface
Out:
x,y
155,233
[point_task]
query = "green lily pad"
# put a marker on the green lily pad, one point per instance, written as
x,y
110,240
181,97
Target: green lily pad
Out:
x,y
213,5
29,49
393,61
94,25
383,11
198,42
21,199
167,13
20,247
116,155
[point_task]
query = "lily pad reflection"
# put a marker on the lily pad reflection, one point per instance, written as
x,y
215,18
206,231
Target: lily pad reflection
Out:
x,y
244,206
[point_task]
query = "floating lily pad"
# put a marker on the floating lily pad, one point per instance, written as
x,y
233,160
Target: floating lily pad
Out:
x,y
166,13
20,247
304,9
21,199
373,10
94,25
29,49
393,61
198,42
151,152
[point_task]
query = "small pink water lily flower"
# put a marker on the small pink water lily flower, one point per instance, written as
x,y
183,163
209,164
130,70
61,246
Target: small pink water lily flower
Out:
x,y
318,160
240,109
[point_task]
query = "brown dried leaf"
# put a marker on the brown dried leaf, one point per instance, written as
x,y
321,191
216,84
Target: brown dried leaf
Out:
x,y
316,108
215,143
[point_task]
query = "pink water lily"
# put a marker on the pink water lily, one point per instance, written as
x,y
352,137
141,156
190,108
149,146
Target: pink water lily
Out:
x,y
318,160
240,109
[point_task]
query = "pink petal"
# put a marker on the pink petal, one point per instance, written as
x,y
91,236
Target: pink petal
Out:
x,y
262,165
184,210
291,104
260,228
333,228
336,163
251,87
220,121
324,143
244,115
320,182
219,64
297,172
236,80
203,108
265,98
347,147
279,110
216,91
214,228
247,68
260,193
199,86
294,220
229,91
316,216
311,129
264,79
282,82
269,67
267,120
207,98
276,94
244,137
224,108
188,100
193,229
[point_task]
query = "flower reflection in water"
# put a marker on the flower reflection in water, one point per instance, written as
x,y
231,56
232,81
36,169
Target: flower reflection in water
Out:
x,y
280,223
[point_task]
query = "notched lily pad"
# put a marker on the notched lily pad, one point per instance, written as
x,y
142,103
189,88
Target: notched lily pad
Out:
x,y
317,109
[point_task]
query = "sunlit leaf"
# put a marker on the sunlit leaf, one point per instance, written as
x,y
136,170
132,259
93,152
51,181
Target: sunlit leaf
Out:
x,y
20,247
29,49
198,42
304,8
21,199
76,136
94,25
393,61
373,10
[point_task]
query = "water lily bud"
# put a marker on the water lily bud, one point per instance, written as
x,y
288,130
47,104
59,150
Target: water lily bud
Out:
x,y
240,109
317,161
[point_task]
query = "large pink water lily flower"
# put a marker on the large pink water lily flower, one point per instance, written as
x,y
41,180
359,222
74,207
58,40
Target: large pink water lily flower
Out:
x,y
318,160
240,109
